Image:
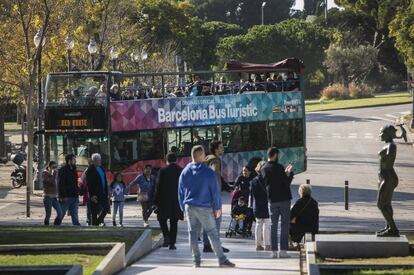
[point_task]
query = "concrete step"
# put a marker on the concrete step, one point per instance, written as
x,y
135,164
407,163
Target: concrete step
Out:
x,y
360,246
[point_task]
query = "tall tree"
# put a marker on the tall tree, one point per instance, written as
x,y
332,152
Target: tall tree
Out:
x,y
313,7
270,43
246,13
401,28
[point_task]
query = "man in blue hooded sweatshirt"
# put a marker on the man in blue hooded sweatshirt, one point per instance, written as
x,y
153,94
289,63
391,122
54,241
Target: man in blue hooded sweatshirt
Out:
x,y
197,192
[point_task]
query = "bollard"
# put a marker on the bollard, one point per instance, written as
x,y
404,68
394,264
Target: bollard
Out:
x,y
346,195
307,181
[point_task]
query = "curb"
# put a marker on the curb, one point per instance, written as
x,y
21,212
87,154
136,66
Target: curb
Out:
x,y
140,248
359,107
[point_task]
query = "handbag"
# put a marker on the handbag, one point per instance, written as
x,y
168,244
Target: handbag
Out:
x,y
293,220
142,197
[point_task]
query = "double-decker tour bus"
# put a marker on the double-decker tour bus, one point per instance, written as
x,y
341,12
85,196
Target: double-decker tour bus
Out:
x,y
134,119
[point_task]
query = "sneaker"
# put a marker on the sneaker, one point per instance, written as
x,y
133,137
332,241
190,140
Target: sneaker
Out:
x,y
259,248
207,249
389,233
227,263
268,248
173,247
146,224
284,254
113,223
225,250
275,254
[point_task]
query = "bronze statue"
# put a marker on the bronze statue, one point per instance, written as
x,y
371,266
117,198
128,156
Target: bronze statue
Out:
x,y
388,181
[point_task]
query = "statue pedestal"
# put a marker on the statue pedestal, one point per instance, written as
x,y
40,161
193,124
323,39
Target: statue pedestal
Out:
x,y
360,246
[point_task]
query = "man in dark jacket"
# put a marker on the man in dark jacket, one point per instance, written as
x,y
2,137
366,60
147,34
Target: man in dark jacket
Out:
x,y
166,200
68,188
277,180
98,190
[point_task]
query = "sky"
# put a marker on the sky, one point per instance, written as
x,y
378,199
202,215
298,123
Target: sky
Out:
x,y
299,4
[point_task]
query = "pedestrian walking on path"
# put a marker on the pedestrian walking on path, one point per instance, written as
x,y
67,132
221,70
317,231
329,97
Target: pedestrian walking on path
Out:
x,y
50,193
98,190
118,191
277,180
198,190
166,200
68,188
214,162
146,184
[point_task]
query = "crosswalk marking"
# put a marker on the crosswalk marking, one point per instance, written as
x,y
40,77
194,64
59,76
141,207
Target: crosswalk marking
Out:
x,y
343,136
382,118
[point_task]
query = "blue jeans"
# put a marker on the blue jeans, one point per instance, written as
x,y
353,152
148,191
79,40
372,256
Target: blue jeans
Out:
x,y
205,237
72,204
50,202
118,205
202,218
282,210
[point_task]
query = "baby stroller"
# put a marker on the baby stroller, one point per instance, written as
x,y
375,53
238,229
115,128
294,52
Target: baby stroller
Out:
x,y
241,217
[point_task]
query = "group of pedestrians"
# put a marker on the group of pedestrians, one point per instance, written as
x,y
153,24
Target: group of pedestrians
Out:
x,y
198,195
61,191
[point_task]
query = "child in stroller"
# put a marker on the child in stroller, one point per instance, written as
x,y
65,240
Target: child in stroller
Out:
x,y
241,221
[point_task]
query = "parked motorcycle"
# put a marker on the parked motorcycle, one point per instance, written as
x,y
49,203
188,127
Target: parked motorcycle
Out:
x,y
18,176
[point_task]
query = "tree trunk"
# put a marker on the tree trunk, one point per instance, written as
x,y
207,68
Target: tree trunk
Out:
x,y
21,117
2,133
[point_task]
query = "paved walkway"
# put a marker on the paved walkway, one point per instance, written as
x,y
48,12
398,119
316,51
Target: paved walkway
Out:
x,y
242,253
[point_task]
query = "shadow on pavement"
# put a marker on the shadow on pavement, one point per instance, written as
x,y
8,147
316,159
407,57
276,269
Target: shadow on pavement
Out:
x,y
333,194
326,117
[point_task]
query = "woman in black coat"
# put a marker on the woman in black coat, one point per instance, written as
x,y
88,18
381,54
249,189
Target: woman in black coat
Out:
x,y
166,200
304,215
261,210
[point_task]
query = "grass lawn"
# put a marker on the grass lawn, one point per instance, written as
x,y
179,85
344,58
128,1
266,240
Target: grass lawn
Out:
x,y
391,261
384,99
12,126
369,272
88,262
49,234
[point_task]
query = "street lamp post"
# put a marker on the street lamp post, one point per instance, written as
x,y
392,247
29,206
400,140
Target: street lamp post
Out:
x,y
263,5
178,61
228,14
144,56
135,58
92,49
238,12
39,43
69,45
113,55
